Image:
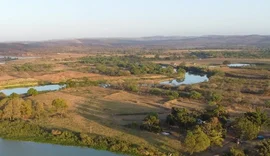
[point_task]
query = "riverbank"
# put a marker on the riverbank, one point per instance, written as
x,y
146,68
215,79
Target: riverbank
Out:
x,y
26,131
27,148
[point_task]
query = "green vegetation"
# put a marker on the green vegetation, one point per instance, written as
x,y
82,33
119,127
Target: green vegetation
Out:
x,y
126,65
226,62
82,82
263,53
195,95
249,125
263,148
33,67
151,123
182,118
14,107
60,106
196,141
22,130
234,151
32,92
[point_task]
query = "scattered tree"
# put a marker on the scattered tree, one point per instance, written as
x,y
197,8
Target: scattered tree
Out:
x,y
195,95
32,92
151,123
263,149
196,141
181,117
246,129
214,131
26,109
60,106
226,62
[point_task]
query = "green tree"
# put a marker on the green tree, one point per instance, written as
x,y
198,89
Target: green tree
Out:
x,y
14,95
214,97
151,123
214,131
226,62
258,117
2,95
26,109
263,148
181,117
16,108
60,105
32,92
267,103
7,111
131,85
246,129
39,109
236,152
156,91
181,73
196,141
157,57
195,95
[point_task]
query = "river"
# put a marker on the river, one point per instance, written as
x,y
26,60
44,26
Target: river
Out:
x,y
23,90
21,148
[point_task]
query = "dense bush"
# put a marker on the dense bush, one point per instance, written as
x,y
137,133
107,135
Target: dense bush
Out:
x,y
263,149
126,65
23,130
82,82
181,117
32,92
196,141
59,105
195,95
33,67
151,123
15,107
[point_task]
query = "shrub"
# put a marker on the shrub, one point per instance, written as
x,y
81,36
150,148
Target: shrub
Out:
x,y
195,95
263,149
196,141
59,105
2,95
151,123
181,117
236,152
267,103
156,91
226,62
246,129
32,92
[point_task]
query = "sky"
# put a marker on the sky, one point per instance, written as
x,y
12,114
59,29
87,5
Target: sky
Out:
x,y
33,20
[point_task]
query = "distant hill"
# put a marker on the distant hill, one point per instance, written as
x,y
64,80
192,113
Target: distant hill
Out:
x,y
180,42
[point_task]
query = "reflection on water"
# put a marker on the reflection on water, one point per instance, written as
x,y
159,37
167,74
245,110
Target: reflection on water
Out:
x,y
189,79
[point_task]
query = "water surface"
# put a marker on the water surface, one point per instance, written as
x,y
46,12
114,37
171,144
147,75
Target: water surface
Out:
x,y
23,90
21,148
238,65
189,79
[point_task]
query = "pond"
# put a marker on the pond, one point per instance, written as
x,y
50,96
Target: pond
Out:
x,y
238,65
189,79
23,90
20,148
9,58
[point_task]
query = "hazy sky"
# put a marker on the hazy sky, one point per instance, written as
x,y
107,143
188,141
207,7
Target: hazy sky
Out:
x,y
59,19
